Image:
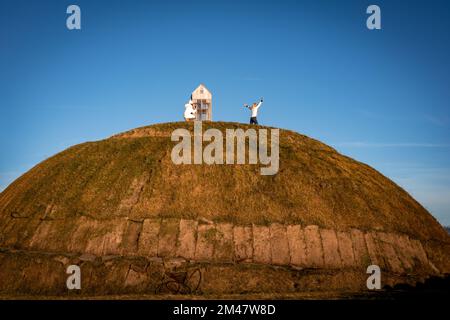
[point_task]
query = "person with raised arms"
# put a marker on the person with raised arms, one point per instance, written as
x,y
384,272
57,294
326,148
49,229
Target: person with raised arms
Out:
x,y
254,109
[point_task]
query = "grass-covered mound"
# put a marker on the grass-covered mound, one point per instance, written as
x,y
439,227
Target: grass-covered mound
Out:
x,y
131,174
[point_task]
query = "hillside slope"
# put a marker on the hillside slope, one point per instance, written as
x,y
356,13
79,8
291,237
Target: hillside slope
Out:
x,y
132,175
136,223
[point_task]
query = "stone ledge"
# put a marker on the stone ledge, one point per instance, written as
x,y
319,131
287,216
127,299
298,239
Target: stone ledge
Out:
x,y
277,244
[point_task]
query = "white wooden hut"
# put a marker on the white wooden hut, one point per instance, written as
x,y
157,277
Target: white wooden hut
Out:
x,y
202,98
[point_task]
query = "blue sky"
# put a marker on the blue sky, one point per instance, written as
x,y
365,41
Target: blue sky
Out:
x,y
381,97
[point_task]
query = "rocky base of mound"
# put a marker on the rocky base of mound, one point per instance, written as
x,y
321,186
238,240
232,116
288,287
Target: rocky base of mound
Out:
x,y
179,256
44,274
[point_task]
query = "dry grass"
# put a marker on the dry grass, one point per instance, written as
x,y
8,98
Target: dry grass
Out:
x,y
132,175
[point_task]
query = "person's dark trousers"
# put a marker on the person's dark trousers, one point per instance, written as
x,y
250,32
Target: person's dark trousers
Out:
x,y
253,120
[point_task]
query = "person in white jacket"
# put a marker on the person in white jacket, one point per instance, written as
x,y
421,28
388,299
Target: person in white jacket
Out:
x,y
190,111
254,109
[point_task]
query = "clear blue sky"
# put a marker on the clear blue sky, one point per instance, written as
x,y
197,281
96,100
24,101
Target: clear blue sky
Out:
x,y
381,97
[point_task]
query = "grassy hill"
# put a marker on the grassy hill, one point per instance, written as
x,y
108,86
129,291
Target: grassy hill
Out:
x,y
131,174
135,222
